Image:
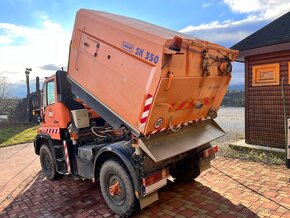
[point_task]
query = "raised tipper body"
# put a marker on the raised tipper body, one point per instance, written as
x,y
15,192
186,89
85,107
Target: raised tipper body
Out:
x,y
129,67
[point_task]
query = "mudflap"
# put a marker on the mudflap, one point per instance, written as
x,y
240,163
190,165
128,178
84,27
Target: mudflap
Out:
x,y
163,146
148,199
204,163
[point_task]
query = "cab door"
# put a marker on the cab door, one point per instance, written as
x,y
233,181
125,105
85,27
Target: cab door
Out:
x,y
50,124
49,103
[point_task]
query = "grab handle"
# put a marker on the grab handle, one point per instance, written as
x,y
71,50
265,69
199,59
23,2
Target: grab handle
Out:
x,y
170,78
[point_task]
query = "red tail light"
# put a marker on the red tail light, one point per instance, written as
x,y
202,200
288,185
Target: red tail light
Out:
x,y
155,177
210,151
176,44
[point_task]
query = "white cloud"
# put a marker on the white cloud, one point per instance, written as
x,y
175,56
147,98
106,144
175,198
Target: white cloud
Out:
x,y
209,3
258,13
5,40
265,9
218,24
22,46
223,32
244,6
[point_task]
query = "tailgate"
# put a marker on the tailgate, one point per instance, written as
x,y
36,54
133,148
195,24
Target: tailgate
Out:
x,y
163,146
192,84
178,104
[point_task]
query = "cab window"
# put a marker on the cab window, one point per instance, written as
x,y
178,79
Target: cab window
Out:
x,y
44,95
50,92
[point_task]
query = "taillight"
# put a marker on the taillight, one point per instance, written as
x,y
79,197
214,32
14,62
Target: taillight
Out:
x,y
210,151
155,177
176,44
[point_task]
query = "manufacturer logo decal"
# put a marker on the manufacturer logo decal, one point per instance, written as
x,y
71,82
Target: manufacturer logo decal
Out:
x,y
158,123
127,46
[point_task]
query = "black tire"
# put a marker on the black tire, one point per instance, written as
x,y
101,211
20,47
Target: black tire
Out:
x,y
47,163
186,169
123,203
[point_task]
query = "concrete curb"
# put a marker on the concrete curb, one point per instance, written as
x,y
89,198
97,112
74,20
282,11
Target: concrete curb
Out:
x,y
242,144
21,143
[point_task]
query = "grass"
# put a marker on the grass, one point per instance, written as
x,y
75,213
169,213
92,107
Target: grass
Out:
x,y
17,135
22,134
267,157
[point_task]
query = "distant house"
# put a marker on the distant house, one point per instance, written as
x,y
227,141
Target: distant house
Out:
x,y
4,118
266,54
7,106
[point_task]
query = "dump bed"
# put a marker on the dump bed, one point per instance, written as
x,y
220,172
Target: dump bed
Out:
x,y
143,76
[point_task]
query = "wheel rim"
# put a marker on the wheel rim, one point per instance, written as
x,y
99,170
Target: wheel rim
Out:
x,y
115,188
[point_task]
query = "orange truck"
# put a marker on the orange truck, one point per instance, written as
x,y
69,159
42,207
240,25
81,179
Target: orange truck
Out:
x,y
134,109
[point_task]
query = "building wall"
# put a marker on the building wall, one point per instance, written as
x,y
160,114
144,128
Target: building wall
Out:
x,y
264,106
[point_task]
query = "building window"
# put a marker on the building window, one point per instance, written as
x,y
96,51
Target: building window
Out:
x,y
266,75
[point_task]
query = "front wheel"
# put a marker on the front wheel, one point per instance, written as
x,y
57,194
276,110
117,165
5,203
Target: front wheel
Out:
x,y
47,163
117,188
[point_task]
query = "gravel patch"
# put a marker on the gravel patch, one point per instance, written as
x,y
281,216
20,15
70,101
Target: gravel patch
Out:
x,y
232,121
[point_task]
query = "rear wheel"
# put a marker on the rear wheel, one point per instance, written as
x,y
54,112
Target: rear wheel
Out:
x,y
186,170
47,163
117,188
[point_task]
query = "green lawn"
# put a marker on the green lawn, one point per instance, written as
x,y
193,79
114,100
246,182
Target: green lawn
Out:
x,y
16,135
267,157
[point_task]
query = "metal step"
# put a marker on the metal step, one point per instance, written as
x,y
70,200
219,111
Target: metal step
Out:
x,y
61,166
58,151
60,159
58,146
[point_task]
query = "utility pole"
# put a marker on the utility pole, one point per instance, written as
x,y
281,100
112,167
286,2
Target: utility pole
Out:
x,y
27,72
37,84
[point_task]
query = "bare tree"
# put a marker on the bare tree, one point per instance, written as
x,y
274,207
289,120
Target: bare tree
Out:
x,y
4,102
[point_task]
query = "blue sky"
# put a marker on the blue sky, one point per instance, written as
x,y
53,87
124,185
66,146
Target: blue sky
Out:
x,y
169,13
36,33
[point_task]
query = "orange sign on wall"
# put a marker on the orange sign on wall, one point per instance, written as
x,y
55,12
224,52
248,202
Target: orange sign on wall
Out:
x,y
266,75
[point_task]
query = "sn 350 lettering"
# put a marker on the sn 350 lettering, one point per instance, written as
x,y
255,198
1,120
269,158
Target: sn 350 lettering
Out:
x,y
149,56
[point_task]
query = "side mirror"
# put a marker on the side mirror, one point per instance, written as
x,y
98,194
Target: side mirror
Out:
x,y
35,104
35,101
63,86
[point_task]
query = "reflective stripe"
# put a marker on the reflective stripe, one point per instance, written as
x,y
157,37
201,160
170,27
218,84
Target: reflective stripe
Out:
x,y
66,157
146,110
177,126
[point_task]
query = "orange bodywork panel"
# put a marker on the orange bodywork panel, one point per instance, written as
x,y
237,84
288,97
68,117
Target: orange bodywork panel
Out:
x,y
127,65
57,116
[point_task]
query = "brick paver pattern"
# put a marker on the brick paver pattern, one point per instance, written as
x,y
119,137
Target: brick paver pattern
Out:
x,y
231,188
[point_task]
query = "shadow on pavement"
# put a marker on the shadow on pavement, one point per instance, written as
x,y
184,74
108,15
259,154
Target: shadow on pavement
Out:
x,y
78,198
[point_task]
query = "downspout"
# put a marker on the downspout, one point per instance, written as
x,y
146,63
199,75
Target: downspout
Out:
x,y
287,147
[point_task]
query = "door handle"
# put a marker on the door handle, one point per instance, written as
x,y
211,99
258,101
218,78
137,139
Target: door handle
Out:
x,y
55,121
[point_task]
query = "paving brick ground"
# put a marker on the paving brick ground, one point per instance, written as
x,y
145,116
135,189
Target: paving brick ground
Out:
x,y
17,163
231,188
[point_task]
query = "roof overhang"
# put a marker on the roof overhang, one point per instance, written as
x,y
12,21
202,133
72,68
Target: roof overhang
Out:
x,y
262,50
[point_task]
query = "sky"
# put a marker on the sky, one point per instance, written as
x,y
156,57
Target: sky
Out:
x,y
36,33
